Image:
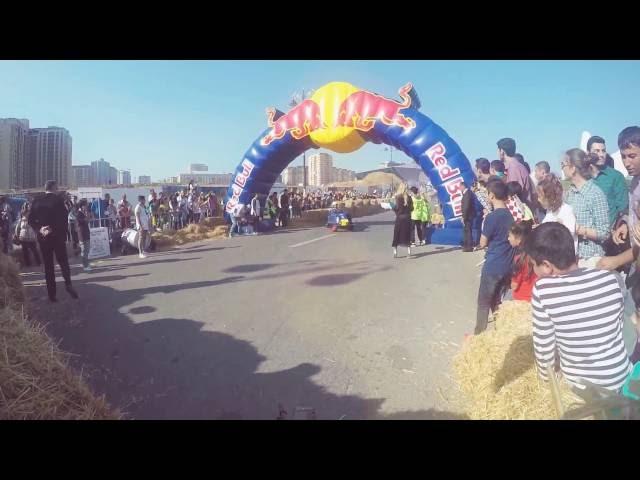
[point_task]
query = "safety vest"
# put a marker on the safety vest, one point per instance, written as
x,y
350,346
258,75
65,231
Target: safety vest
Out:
x,y
270,210
426,213
418,209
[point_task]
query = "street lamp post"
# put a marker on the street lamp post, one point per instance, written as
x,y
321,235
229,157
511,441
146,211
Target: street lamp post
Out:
x,y
297,98
390,150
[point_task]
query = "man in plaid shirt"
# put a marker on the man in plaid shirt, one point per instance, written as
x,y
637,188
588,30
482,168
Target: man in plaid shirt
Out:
x,y
589,205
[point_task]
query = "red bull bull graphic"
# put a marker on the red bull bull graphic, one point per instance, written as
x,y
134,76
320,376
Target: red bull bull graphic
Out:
x,y
363,109
341,117
300,121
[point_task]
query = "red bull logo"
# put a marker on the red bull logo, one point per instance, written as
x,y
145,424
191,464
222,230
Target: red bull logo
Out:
x,y
361,110
238,184
454,186
334,114
242,177
235,198
300,121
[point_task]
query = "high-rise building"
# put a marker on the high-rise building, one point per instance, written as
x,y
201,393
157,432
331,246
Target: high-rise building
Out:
x,y
198,167
125,177
320,169
81,176
113,176
343,175
48,152
205,178
294,176
14,173
144,180
101,172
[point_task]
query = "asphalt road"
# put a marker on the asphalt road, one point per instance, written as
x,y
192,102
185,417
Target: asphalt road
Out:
x,y
236,328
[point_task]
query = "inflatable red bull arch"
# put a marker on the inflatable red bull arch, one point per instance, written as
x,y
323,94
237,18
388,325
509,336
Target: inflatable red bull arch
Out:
x,y
341,117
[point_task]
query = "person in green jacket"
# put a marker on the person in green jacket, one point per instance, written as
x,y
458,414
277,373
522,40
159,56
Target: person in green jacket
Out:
x,y
418,214
610,181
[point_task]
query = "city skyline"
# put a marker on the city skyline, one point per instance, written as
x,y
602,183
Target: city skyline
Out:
x,y
197,113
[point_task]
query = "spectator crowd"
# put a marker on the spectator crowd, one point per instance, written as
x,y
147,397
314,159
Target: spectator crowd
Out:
x,y
570,249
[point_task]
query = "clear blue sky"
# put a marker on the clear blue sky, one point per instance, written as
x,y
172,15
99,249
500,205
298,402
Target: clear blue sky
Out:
x,y
156,117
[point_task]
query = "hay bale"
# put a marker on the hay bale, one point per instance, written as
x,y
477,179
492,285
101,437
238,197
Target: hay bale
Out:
x,y
212,222
35,379
496,371
218,231
11,292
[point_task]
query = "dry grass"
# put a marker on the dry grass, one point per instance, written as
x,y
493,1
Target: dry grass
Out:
x,y
210,228
496,371
35,379
11,292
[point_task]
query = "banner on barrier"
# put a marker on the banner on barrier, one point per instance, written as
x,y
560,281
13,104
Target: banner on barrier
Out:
x,y
99,243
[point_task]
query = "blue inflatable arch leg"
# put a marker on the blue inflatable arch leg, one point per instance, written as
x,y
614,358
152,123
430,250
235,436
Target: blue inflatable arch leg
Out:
x,y
439,156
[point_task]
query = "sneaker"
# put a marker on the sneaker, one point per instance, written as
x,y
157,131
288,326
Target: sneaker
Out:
x,y
142,255
87,268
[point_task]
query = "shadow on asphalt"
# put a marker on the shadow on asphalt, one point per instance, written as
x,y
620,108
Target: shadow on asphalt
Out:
x,y
287,230
436,252
170,368
141,310
381,222
182,250
250,268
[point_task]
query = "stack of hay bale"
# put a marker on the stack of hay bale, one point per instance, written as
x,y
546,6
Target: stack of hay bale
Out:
x,y
210,228
496,372
35,379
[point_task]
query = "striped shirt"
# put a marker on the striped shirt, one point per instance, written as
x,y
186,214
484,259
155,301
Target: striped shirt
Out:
x,y
578,317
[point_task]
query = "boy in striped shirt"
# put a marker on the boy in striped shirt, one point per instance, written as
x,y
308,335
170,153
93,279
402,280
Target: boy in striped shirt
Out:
x,y
577,313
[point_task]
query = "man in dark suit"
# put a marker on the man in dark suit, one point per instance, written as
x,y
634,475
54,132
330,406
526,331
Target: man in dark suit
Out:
x,y
49,219
468,215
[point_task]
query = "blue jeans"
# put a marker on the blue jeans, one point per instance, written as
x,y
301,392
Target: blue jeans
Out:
x,y
489,293
234,226
84,252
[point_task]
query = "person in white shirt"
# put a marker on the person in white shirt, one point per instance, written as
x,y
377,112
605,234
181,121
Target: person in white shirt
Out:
x,y
142,225
551,196
236,214
255,208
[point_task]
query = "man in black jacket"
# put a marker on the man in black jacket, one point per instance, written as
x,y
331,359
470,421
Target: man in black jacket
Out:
x,y
49,219
468,215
